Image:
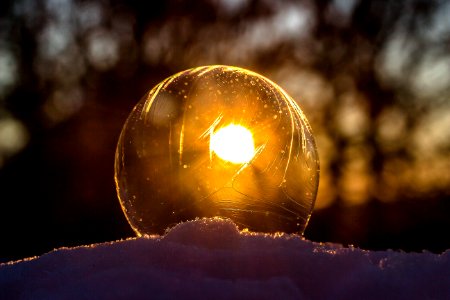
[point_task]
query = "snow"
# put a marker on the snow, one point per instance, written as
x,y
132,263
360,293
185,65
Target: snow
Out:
x,y
210,258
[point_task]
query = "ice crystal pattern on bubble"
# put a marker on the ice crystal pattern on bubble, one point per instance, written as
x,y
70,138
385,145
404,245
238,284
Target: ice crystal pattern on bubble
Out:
x,y
169,168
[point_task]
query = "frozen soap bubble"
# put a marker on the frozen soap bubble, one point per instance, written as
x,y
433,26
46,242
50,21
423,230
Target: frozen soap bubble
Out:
x,y
217,141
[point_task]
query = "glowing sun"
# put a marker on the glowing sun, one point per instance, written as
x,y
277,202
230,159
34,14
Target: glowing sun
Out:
x,y
233,143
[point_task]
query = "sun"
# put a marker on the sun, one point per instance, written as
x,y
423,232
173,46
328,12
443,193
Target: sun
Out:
x,y
233,143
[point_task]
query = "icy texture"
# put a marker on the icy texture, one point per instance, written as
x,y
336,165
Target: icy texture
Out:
x,y
211,259
169,170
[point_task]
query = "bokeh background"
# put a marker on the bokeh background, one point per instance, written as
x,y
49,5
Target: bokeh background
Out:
x,y
373,78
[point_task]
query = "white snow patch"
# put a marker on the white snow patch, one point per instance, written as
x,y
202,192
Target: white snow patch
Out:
x,y
210,258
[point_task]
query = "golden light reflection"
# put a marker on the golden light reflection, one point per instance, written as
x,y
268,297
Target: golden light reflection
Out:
x,y
186,149
233,143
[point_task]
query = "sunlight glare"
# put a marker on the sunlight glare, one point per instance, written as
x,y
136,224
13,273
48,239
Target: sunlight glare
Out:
x,y
233,143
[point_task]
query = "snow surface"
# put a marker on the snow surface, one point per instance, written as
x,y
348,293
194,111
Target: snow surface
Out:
x,y
210,258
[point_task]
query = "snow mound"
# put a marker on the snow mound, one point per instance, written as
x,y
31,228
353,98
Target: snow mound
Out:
x,y
210,258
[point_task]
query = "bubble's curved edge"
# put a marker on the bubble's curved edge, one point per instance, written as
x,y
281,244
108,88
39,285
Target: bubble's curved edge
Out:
x,y
201,70
117,167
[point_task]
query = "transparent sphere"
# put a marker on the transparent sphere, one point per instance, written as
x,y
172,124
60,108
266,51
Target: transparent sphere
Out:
x,y
217,141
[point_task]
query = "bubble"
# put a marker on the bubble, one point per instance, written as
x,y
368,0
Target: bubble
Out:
x,y
217,141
